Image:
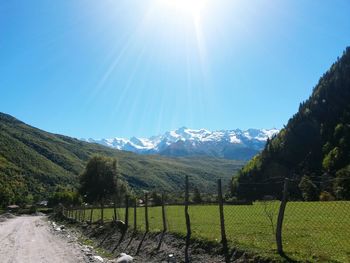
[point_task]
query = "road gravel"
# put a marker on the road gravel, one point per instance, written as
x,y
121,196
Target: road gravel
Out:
x,y
31,239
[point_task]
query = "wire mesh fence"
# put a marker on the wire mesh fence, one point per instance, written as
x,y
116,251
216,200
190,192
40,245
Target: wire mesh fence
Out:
x,y
315,231
318,230
253,225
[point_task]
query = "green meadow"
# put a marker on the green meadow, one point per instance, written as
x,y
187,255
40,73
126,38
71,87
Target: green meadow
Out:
x,y
313,231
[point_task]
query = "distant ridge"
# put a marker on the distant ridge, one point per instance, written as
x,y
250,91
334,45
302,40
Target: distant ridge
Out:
x,y
230,144
34,162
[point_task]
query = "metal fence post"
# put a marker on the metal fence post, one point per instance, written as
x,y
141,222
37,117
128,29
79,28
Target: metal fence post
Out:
x,y
280,218
188,222
222,221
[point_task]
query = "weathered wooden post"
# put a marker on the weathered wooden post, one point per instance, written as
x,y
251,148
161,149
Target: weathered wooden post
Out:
x,y
146,212
102,215
163,215
135,214
81,214
188,222
91,214
115,209
281,216
126,210
222,222
84,212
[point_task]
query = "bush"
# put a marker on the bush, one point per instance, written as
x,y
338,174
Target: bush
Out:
x,y
342,184
32,209
326,196
308,189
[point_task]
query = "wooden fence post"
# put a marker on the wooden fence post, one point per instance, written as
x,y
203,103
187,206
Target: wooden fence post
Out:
x,y
84,212
188,222
126,210
91,214
280,217
146,212
163,214
102,214
222,222
115,209
135,214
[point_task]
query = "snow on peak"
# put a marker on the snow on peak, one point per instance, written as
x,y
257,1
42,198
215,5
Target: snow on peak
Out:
x,y
194,137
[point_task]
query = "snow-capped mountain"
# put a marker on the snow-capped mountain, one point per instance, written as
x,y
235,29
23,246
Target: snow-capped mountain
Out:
x,y
230,144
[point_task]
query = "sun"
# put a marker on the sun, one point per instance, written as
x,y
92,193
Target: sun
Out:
x,y
186,7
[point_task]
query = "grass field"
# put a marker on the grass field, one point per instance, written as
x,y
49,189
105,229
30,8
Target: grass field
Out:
x,y
314,231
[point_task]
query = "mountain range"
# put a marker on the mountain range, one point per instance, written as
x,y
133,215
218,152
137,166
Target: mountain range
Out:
x,y
229,144
33,163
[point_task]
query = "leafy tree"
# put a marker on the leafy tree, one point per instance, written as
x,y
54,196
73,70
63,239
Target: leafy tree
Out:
x,y
65,197
197,198
121,189
6,196
97,182
308,189
331,159
342,184
156,198
326,196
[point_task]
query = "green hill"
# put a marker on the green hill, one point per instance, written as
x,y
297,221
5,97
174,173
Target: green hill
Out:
x,y
313,148
34,162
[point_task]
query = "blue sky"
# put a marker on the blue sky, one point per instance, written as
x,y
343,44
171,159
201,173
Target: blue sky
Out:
x,y
138,68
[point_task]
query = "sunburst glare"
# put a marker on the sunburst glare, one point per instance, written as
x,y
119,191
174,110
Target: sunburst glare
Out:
x,y
187,7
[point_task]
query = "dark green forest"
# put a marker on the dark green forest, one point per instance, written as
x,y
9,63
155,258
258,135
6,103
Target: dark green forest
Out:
x,y
35,163
313,149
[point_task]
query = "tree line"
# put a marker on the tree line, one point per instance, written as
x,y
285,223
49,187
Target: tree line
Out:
x,y
313,149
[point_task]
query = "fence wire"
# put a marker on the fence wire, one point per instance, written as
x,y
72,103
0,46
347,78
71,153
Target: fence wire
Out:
x,y
313,231
317,230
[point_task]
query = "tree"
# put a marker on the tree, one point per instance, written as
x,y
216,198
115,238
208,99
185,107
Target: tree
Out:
x,y
342,184
197,198
65,197
308,189
6,196
156,198
97,182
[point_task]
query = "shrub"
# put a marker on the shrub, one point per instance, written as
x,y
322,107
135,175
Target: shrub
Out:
x,y
326,196
308,189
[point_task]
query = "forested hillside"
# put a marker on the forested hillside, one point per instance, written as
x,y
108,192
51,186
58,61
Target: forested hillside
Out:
x,y
313,149
34,162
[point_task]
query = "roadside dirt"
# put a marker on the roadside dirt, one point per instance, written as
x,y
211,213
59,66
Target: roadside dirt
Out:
x,y
35,239
156,247
32,239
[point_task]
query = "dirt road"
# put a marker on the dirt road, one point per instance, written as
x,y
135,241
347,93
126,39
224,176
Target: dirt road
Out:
x,y
29,239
